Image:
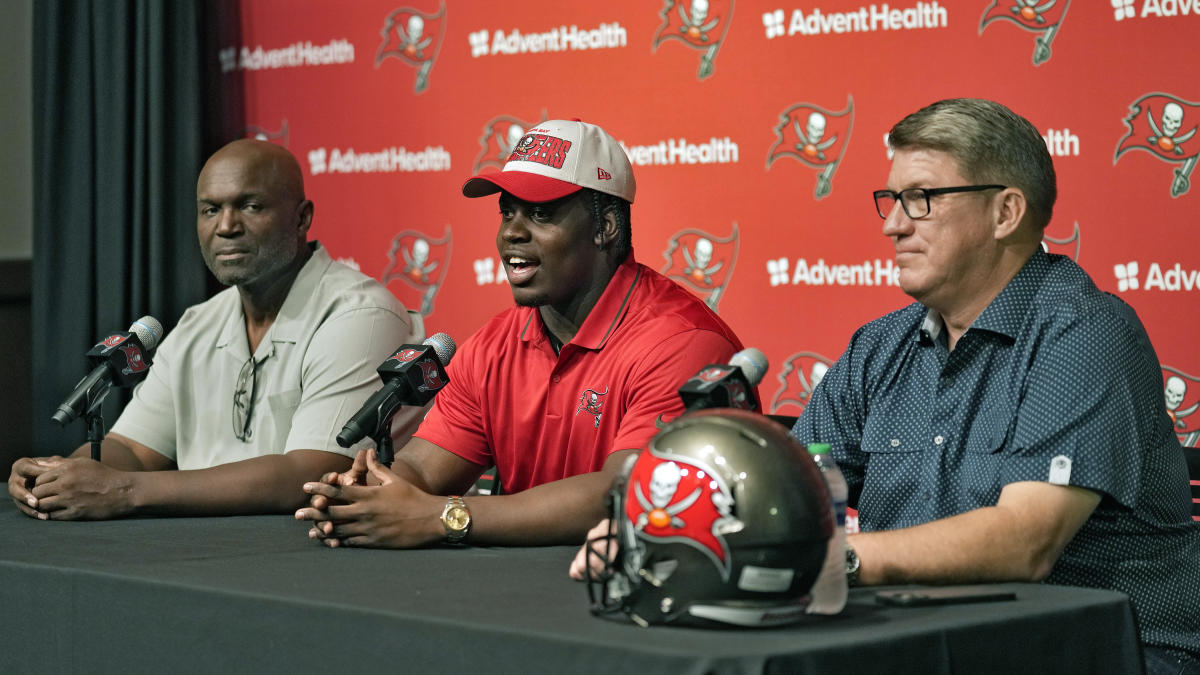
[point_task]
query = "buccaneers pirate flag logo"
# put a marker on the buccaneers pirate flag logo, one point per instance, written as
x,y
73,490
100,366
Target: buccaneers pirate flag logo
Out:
x,y
419,261
415,38
500,137
676,499
1068,246
816,137
800,375
1164,126
702,262
1038,16
701,25
1181,392
259,133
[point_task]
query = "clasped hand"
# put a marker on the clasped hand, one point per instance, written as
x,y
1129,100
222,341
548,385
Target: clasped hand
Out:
x,y
80,488
371,506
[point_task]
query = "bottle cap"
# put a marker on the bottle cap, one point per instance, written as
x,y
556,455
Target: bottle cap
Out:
x,y
818,448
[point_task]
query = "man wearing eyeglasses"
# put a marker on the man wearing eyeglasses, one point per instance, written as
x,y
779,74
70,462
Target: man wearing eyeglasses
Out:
x,y
247,394
1009,425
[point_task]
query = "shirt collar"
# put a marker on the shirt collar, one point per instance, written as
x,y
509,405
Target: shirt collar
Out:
x,y
605,316
289,323
1005,314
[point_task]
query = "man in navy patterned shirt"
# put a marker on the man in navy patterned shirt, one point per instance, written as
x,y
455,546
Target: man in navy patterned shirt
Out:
x,y
1009,425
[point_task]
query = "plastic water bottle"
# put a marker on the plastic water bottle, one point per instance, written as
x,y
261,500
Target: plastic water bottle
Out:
x,y
829,592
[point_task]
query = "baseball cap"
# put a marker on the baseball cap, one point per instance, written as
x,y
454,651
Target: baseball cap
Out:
x,y
556,158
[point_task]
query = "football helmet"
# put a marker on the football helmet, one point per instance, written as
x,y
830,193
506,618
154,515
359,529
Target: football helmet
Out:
x,y
723,518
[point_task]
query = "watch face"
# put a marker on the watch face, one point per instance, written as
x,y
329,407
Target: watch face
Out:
x,y
457,518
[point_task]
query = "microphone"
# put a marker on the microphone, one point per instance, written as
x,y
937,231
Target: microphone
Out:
x,y
122,359
411,376
726,386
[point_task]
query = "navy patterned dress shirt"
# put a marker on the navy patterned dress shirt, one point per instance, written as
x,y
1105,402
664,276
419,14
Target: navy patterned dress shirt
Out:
x,y
1055,381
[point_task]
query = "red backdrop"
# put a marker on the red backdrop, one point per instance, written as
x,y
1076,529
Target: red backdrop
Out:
x,y
390,106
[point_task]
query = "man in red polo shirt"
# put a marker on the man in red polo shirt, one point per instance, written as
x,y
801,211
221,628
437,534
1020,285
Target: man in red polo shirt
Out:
x,y
556,391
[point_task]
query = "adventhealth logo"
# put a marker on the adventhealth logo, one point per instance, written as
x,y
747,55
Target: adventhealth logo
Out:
x,y
865,19
559,39
878,272
1124,9
1171,279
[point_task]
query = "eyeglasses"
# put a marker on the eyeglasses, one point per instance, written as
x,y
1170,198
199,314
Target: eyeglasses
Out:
x,y
915,201
243,399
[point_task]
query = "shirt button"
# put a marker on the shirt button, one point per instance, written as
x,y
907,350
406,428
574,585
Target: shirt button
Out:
x,y
556,378
895,442
926,495
938,440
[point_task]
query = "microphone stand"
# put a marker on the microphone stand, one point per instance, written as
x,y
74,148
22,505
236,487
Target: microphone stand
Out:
x,y
382,435
94,417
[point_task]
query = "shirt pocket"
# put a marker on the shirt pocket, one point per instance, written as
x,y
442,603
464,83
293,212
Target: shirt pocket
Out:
x,y
988,432
283,408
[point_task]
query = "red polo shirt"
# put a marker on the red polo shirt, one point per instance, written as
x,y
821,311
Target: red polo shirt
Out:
x,y
541,417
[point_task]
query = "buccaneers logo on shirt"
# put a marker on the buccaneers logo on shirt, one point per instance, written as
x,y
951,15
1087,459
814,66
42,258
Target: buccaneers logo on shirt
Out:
x,y
699,24
592,403
420,262
1181,392
1038,16
816,137
800,375
500,137
1164,125
415,38
676,499
702,262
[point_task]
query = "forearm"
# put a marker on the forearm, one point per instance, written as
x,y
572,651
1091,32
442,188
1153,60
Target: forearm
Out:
x,y
267,484
1018,539
555,513
116,454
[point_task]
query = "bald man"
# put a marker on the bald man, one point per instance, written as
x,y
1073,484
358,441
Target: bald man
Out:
x,y
247,394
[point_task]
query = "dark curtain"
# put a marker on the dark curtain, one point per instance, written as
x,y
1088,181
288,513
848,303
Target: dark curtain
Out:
x,y
119,137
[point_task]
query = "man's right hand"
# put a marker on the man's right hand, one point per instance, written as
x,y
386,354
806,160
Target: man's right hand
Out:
x,y
24,472
600,551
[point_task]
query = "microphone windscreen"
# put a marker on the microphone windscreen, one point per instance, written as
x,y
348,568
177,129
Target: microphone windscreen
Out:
x,y
148,330
753,364
443,345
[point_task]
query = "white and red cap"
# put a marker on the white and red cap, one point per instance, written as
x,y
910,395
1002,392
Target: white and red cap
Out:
x,y
557,158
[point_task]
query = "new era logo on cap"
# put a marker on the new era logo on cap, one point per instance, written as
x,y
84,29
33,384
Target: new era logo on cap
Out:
x,y
557,158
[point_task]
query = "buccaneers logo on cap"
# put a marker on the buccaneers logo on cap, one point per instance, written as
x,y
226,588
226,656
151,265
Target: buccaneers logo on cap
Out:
x,y
420,261
816,137
675,499
701,25
702,262
1181,392
800,375
1165,126
415,38
500,137
1039,16
279,137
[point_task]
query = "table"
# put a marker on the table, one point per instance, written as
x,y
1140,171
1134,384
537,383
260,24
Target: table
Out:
x,y
254,594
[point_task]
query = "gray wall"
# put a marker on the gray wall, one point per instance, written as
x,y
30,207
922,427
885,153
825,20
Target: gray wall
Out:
x,y
16,229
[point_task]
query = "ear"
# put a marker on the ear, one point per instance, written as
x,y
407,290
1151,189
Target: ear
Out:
x,y
608,231
1009,211
306,216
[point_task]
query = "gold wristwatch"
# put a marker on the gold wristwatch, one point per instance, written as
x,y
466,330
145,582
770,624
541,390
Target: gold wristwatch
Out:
x,y
456,519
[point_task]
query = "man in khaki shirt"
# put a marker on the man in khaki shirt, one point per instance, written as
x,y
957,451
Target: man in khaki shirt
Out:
x,y
248,392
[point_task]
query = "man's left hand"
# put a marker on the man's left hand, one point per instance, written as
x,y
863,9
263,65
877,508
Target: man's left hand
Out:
x,y
81,488
393,514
